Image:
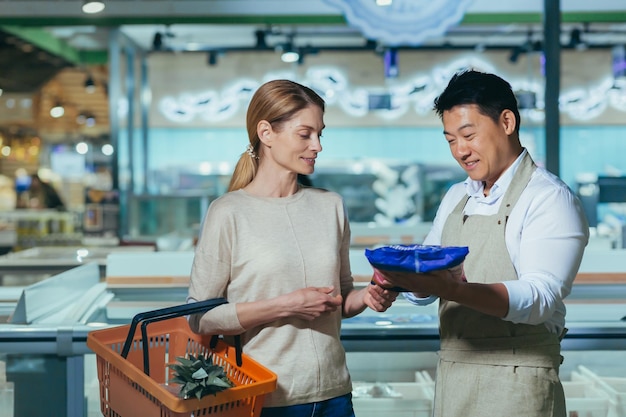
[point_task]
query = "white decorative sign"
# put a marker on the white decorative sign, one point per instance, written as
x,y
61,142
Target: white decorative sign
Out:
x,y
402,22
415,94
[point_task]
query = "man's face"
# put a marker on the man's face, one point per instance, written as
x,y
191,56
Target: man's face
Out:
x,y
481,146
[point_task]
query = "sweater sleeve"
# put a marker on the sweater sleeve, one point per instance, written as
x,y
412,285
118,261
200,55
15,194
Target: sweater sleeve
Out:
x,y
210,273
346,279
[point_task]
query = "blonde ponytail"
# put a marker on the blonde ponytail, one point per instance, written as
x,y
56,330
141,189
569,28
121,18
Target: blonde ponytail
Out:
x,y
244,172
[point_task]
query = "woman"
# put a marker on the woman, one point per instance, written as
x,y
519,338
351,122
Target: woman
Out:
x,y
278,252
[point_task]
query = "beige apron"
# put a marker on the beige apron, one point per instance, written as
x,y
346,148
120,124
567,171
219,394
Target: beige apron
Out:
x,y
489,367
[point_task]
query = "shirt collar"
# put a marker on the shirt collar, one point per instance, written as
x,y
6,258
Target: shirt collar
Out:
x,y
475,188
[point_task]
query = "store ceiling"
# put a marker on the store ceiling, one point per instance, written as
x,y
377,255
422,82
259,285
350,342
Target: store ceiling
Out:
x,y
38,38
24,66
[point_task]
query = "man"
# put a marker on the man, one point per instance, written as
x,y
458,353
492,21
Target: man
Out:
x,y
502,318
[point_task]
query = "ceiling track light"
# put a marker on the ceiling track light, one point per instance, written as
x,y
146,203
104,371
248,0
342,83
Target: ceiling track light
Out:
x,y
92,6
289,53
212,58
57,110
390,61
576,40
157,41
289,56
90,85
86,118
261,42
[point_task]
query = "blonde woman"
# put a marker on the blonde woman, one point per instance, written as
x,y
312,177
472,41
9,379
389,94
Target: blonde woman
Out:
x,y
278,252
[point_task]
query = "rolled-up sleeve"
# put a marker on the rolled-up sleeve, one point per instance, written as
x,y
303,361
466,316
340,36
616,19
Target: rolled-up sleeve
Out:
x,y
546,244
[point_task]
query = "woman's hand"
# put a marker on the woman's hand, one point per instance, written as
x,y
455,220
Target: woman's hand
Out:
x,y
310,303
378,298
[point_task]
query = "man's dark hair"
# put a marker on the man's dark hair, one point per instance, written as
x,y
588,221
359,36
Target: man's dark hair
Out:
x,y
489,92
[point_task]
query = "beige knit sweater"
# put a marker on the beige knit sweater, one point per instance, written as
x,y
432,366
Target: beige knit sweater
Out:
x,y
253,248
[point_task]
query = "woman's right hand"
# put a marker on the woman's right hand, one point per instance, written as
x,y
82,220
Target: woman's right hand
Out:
x,y
311,302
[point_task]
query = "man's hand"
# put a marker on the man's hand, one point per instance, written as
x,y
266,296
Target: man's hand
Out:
x,y
421,284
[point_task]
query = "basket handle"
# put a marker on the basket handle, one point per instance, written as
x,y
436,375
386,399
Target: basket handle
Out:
x,y
148,317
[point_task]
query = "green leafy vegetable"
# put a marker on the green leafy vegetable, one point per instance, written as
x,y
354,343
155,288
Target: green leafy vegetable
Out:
x,y
199,377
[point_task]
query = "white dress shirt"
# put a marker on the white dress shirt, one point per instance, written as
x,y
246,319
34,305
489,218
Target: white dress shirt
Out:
x,y
546,235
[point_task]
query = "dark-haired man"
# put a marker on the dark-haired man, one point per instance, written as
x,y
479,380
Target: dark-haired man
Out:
x,y
526,232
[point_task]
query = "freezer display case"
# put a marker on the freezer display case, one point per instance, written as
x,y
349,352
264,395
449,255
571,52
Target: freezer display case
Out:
x,y
33,264
43,344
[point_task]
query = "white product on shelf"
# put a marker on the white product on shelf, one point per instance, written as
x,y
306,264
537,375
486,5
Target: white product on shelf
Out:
x,y
398,399
582,399
614,387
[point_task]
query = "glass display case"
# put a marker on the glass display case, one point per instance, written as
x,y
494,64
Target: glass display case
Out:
x,y
375,191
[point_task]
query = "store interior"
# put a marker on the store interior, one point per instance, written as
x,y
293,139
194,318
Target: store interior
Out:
x,y
134,116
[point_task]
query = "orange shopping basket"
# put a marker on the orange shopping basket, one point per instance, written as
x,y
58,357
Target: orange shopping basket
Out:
x,y
133,368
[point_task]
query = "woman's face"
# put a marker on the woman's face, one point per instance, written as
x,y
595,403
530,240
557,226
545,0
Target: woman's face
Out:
x,y
296,143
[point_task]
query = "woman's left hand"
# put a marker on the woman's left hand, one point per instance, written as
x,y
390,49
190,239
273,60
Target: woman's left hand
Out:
x,y
378,298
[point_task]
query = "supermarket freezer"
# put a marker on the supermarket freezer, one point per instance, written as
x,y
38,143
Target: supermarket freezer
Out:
x,y
44,344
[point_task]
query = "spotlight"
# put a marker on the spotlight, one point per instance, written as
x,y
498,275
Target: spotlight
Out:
x,y
515,54
90,85
289,54
212,58
81,147
391,63
107,149
58,110
92,7
618,55
90,120
575,40
157,41
260,39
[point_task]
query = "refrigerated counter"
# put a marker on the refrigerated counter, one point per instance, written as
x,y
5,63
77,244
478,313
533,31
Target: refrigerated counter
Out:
x,y
44,345
29,265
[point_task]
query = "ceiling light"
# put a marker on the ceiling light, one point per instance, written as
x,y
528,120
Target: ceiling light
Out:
x,y
576,40
290,56
515,54
618,55
107,149
212,58
92,7
384,2
90,85
90,120
58,110
81,147
260,39
391,63
157,41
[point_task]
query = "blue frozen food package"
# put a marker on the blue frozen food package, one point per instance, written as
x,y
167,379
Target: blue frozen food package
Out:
x,y
416,258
